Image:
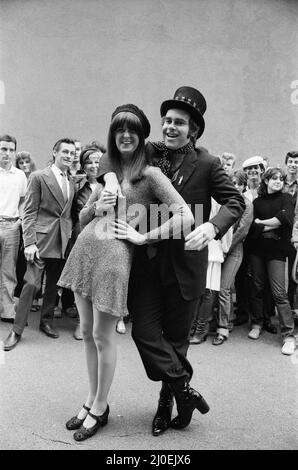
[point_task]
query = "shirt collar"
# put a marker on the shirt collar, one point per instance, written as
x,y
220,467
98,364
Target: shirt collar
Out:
x,y
290,183
57,170
12,169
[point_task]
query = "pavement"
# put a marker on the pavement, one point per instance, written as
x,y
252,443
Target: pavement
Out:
x,y
250,386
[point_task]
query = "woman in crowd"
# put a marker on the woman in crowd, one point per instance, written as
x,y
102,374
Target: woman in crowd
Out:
x,y
99,264
25,163
269,239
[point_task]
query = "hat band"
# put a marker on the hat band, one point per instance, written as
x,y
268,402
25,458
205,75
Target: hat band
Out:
x,y
186,100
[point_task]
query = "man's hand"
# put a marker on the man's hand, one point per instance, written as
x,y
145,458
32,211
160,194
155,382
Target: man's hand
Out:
x,y
200,237
30,252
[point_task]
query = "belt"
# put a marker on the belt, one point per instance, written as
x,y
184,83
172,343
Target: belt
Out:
x,y
9,219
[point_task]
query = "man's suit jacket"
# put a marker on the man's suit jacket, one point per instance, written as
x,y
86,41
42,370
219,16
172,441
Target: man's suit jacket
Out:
x,y
47,220
200,177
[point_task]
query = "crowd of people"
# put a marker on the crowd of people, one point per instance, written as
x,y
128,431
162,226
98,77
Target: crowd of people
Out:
x,y
72,230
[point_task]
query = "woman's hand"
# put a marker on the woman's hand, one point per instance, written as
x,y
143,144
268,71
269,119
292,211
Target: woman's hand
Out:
x,y
105,203
124,231
258,221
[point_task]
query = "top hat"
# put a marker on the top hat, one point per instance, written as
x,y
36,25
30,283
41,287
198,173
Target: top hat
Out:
x,y
190,100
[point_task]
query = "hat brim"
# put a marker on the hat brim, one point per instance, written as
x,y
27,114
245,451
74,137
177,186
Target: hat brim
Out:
x,y
194,113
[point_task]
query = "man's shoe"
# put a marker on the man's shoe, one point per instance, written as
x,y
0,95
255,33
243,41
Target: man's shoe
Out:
x,y
162,419
48,330
270,328
187,400
254,333
288,347
11,341
7,320
77,333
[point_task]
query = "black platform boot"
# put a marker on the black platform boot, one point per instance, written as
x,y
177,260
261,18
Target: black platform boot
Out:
x,y
162,418
187,399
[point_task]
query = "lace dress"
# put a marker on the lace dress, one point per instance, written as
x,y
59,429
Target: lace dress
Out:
x,y
98,267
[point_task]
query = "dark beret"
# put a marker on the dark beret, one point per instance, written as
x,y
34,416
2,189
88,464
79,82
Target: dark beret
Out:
x,y
131,108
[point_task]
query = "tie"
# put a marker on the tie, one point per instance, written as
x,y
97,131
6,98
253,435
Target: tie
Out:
x,y
64,187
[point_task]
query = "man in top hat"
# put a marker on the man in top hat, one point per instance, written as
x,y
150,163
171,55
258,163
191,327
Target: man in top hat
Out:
x,y
168,278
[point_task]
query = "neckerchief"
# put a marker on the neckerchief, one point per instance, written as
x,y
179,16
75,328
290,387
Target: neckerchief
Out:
x,y
168,164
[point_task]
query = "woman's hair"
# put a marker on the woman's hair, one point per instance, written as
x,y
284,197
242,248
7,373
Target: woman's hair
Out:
x,y
25,155
269,173
138,160
241,177
97,145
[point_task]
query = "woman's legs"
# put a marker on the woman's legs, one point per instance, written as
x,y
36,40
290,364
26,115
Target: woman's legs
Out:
x,y
104,335
85,310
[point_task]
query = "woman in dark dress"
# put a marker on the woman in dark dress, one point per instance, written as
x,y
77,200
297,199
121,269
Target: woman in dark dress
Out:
x,y
269,240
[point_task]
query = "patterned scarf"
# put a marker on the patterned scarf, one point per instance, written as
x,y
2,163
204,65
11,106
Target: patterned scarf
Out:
x,y
166,159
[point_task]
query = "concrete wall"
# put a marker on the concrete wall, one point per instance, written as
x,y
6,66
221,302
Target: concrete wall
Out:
x,y
66,64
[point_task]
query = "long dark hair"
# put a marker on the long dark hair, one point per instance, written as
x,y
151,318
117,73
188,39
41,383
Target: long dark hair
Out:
x,y
138,160
271,171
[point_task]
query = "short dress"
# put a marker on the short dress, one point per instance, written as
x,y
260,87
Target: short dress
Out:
x,y
98,266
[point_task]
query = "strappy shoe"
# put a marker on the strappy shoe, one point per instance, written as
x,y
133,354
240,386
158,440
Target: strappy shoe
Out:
x,y
75,422
84,433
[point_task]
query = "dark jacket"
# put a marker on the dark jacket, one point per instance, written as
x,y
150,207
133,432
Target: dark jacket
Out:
x,y
200,177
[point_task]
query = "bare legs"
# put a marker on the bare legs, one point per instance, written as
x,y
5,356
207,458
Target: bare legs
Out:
x,y
99,334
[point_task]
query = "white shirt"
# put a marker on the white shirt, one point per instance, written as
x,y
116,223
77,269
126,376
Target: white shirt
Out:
x,y
57,172
13,186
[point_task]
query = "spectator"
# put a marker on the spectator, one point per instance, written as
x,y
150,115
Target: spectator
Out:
x,y
253,168
269,239
75,167
228,161
291,187
13,185
47,226
25,163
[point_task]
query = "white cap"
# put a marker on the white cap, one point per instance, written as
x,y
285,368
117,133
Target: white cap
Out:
x,y
253,161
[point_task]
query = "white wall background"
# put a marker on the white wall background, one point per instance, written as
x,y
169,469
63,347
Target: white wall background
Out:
x,y
66,64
